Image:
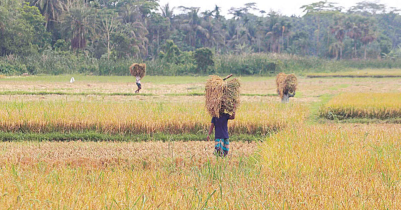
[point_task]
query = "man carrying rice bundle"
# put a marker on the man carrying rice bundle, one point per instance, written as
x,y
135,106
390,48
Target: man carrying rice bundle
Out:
x,y
221,137
286,86
138,71
221,102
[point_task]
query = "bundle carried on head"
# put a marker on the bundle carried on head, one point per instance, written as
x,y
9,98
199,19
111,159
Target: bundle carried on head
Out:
x,y
286,84
222,96
138,70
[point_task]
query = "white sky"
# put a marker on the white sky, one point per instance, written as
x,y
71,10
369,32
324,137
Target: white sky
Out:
x,y
286,7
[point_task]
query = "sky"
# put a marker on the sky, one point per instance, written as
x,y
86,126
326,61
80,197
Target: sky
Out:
x,y
285,7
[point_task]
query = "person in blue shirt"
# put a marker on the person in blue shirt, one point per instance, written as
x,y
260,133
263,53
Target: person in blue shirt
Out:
x,y
221,133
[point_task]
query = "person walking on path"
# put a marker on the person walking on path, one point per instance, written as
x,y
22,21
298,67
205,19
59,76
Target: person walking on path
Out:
x,y
138,83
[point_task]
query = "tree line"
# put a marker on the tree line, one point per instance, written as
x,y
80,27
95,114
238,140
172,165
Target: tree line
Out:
x,y
145,30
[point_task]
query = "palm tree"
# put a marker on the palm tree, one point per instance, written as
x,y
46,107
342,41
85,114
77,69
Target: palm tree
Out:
x,y
339,31
139,33
354,33
192,26
50,9
167,12
336,47
77,23
368,35
275,35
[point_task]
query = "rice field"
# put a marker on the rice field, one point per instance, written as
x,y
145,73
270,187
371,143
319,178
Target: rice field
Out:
x,y
303,167
148,175
140,117
295,163
334,167
363,105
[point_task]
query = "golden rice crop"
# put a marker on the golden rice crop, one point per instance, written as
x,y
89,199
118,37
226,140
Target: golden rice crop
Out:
x,y
377,73
303,167
140,117
334,167
363,105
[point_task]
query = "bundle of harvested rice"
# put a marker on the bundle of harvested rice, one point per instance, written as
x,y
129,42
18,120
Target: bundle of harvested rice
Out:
x,y
222,96
291,83
231,96
286,84
138,69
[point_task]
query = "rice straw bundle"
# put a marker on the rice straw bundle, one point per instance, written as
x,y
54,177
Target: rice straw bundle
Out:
x,y
138,69
231,96
286,84
221,96
291,83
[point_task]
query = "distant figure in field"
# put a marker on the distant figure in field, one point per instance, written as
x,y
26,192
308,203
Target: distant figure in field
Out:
x,y
286,86
138,83
138,71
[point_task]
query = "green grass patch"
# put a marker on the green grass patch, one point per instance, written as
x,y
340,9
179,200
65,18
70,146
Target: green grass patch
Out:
x,y
297,95
370,121
185,94
94,136
315,107
169,80
337,87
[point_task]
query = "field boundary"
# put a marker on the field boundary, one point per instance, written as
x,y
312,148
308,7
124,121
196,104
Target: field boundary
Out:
x,y
73,94
96,136
115,94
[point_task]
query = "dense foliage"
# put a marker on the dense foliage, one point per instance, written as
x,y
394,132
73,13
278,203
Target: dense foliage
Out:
x,y
105,36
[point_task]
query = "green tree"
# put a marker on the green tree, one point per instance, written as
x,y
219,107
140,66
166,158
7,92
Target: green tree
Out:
x,y
22,29
385,44
203,59
170,52
108,23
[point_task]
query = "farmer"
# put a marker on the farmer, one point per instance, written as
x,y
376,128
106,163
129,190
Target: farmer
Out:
x,y
221,134
138,83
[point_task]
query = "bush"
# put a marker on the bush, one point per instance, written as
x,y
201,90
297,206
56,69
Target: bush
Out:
x,y
10,69
65,62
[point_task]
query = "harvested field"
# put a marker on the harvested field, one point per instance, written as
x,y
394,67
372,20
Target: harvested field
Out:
x,y
107,155
82,175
